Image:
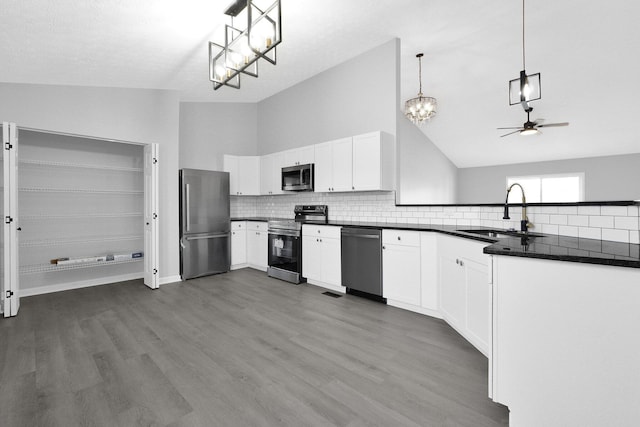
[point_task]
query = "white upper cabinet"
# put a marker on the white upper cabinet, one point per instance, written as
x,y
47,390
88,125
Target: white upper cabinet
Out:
x,y
271,173
361,163
373,162
299,156
244,171
333,165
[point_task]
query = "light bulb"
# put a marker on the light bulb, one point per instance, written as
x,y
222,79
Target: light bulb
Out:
x,y
220,71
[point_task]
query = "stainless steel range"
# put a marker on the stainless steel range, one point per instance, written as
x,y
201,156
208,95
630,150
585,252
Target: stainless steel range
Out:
x,y
285,242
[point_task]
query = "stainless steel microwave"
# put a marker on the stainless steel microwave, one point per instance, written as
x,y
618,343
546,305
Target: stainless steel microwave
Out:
x,y
298,178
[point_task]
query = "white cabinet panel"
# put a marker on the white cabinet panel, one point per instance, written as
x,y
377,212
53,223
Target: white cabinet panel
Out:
x,y
429,271
257,247
367,171
342,165
478,303
299,156
465,292
271,173
238,244
331,261
401,273
321,255
452,291
244,174
333,165
323,167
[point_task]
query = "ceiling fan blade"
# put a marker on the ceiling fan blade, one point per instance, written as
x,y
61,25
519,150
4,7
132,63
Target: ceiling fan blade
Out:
x,y
514,127
510,133
551,125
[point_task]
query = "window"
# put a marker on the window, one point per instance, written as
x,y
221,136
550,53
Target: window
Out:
x,y
548,188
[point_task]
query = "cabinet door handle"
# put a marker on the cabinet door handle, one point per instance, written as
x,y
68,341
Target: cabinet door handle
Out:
x,y
384,247
399,238
353,188
457,261
461,263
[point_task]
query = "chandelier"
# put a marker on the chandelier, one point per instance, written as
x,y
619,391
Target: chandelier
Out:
x,y
244,46
420,108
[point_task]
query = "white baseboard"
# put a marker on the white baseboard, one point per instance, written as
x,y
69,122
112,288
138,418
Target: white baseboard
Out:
x,y
81,284
414,308
170,279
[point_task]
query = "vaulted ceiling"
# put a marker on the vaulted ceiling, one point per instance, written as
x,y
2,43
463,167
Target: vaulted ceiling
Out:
x,y
587,53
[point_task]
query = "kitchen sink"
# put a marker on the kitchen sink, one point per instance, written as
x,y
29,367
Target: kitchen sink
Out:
x,y
500,234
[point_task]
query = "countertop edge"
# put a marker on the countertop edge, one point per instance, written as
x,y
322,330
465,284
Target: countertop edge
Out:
x,y
494,246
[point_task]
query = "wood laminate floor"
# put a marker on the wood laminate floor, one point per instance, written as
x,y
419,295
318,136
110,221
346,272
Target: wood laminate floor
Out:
x,y
238,349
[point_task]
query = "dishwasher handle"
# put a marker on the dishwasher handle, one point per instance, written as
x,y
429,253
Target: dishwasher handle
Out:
x,y
359,234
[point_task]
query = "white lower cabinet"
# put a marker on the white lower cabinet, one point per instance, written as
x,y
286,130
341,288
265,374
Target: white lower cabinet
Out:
x,y
401,267
465,289
238,244
257,245
321,256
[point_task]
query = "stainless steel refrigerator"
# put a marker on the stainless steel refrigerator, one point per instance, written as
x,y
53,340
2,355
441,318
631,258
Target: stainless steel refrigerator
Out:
x,y
205,224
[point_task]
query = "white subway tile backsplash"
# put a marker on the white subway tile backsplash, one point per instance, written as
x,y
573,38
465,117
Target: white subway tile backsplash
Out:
x,y
614,210
601,221
616,223
588,210
558,219
568,230
568,210
540,218
589,233
578,220
615,235
626,222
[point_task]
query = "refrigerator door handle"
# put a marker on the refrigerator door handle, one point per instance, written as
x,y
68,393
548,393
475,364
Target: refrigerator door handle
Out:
x,y
208,236
188,221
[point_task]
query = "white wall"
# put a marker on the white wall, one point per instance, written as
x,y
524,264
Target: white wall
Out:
x,y
136,115
606,178
209,130
425,174
355,97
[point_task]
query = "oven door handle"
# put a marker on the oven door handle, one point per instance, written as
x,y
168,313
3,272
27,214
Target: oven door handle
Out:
x,y
289,233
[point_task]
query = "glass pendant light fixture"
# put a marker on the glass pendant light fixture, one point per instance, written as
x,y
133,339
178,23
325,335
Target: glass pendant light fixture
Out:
x,y
420,108
244,46
525,88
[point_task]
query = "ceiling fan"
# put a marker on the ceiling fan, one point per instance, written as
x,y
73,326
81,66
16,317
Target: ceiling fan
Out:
x,y
531,128
523,90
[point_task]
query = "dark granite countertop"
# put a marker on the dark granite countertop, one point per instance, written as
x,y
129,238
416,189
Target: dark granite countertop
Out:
x,y
259,218
541,246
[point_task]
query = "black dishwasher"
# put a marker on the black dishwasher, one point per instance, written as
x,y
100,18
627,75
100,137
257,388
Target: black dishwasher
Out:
x,y
362,262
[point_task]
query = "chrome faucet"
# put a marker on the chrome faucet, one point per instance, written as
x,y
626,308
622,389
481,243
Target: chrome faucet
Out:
x,y
524,223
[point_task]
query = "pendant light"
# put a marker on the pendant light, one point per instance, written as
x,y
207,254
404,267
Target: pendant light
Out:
x,y
420,108
525,88
244,46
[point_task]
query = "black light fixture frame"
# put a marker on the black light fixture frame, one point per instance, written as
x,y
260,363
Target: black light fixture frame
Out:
x,y
249,66
519,84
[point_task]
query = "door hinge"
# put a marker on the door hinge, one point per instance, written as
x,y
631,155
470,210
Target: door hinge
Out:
x,y
8,146
8,220
9,294
155,161
155,271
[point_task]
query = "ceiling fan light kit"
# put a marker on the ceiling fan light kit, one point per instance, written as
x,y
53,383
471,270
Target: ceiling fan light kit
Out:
x,y
244,46
421,108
